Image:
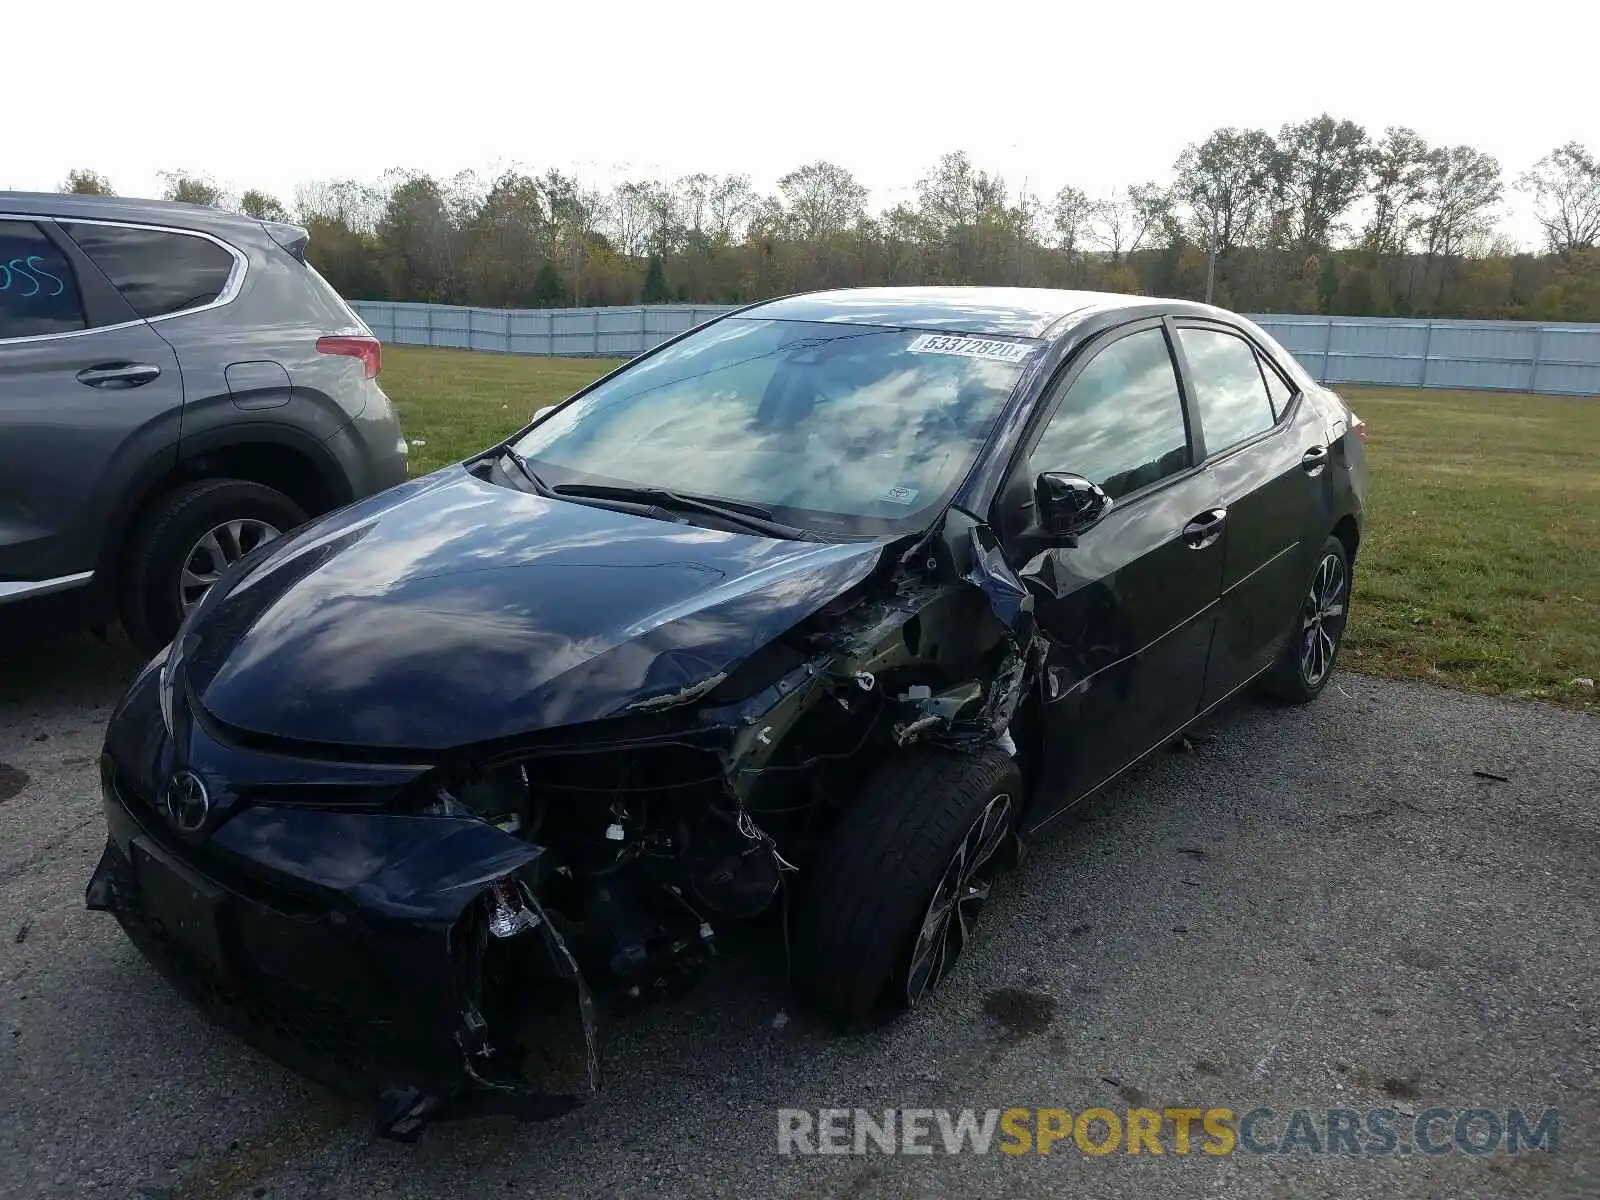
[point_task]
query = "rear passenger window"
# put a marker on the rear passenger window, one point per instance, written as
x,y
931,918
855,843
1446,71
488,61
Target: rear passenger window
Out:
x,y
1227,385
1121,421
157,271
38,293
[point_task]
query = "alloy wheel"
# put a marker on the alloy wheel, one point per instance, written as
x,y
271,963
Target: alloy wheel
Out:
x,y
958,899
1322,620
214,553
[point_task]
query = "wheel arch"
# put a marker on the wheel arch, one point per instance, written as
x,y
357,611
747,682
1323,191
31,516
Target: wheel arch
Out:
x,y
1349,535
277,456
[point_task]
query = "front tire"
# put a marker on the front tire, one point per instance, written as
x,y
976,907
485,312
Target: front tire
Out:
x,y
892,901
184,540
1306,662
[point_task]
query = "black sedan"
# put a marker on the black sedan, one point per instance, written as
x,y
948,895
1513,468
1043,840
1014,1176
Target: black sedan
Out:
x,y
821,611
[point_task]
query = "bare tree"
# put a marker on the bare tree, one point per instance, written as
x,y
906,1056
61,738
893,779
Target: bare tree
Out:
x,y
577,212
347,202
1224,182
1463,186
955,194
1070,212
730,202
1121,222
1566,189
1398,187
822,198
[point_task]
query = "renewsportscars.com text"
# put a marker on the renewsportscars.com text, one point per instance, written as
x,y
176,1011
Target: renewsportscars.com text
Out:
x,y
1179,1131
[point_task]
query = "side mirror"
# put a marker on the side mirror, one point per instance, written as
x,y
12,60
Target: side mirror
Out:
x,y
1068,505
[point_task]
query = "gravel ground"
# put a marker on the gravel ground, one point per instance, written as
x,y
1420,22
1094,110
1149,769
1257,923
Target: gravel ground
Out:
x,y
1311,908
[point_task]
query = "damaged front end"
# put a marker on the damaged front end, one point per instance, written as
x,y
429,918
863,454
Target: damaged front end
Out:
x,y
440,936
403,959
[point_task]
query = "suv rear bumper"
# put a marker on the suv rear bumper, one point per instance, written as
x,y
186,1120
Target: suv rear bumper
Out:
x,y
371,449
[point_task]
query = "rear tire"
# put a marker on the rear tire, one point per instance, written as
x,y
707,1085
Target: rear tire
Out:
x,y
1309,653
877,887
150,599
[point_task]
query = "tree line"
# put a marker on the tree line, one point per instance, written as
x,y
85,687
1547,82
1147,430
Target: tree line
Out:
x,y
1321,217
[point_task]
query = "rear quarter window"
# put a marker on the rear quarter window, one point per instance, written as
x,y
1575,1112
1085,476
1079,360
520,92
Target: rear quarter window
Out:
x,y
158,271
38,292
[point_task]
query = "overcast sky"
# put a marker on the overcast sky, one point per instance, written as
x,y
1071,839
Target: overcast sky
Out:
x,y
1098,94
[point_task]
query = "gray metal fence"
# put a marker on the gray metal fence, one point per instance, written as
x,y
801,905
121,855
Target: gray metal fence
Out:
x,y
1520,356
576,332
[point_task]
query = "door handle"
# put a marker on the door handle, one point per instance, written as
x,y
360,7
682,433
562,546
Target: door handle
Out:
x,y
119,375
1314,459
1204,529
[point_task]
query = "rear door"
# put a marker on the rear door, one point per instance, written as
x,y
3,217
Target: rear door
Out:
x,y
1269,455
1127,609
90,397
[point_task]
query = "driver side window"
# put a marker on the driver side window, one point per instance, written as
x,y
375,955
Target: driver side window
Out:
x,y
1121,422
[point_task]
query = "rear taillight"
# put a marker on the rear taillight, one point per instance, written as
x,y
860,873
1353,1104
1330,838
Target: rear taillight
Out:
x,y
1358,427
368,349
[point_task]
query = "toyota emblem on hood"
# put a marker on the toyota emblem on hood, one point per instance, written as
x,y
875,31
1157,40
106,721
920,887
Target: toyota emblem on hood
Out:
x,y
188,802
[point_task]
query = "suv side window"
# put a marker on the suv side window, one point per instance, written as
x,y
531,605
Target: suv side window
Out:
x,y
38,291
1227,385
157,271
1121,422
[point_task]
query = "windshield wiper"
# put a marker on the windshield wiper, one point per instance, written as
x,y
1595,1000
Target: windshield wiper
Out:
x,y
539,485
736,512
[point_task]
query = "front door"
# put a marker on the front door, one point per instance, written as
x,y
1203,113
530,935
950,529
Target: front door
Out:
x,y
1127,610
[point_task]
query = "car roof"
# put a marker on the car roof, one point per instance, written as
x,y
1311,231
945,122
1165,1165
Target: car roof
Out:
x,y
66,206
1018,311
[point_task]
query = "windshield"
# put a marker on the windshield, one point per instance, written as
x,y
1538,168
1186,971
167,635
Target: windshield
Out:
x,y
834,428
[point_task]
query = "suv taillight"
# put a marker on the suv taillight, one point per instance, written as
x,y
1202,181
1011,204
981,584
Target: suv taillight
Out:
x,y
368,349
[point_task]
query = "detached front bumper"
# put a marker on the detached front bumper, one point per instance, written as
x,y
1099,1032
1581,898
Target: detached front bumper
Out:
x,y
368,966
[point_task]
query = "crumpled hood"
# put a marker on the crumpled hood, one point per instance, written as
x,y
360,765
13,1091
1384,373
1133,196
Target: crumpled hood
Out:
x,y
452,610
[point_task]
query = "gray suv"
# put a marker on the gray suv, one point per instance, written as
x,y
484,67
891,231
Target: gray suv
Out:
x,y
177,386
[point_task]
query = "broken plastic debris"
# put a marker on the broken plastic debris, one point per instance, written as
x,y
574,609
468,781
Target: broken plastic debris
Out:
x,y
1583,681
782,1019
419,441
508,916
615,832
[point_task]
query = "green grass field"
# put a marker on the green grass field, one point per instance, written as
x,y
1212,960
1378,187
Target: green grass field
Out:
x,y
1481,566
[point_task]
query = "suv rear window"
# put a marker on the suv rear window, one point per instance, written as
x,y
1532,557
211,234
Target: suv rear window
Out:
x,y
38,293
156,270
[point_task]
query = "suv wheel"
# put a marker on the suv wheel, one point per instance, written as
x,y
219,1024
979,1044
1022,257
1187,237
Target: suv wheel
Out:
x,y
184,541
893,899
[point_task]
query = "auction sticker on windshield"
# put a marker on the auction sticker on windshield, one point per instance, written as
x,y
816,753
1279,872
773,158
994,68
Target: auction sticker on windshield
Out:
x,y
970,347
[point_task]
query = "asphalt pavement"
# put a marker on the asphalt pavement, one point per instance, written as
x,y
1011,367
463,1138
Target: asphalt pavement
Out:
x,y
1387,900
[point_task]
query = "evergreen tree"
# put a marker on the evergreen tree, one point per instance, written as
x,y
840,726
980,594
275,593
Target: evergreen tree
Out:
x,y
548,290
655,289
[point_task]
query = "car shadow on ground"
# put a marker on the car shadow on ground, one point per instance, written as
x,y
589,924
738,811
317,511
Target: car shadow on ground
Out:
x,y
60,671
